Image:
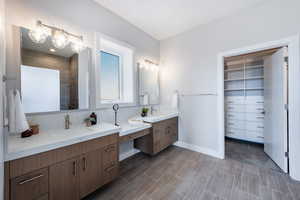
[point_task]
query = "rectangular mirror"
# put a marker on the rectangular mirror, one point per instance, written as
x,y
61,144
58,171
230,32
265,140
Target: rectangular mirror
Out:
x,y
149,86
52,79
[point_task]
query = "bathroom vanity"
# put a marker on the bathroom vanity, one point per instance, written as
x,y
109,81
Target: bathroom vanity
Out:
x,y
68,172
70,164
162,134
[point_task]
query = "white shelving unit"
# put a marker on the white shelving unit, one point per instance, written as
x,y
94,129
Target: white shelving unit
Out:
x,y
244,98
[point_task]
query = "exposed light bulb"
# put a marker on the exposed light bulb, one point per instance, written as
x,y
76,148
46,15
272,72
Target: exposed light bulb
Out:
x,y
60,40
39,35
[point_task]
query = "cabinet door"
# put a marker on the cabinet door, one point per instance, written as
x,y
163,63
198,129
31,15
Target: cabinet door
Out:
x,y
110,163
90,172
30,186
64,180
157,133
174,130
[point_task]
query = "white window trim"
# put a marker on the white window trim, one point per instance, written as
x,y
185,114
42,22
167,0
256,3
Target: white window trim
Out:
x,y
97,76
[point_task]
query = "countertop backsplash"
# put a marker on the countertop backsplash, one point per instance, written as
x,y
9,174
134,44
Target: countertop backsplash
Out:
x,y
56,120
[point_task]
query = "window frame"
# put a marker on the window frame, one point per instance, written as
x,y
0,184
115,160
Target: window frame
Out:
x,y
98,47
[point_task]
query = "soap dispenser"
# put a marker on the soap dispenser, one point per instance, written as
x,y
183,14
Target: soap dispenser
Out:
x,y
93,117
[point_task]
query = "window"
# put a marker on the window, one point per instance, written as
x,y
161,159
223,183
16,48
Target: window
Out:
x,y
110,73
115,78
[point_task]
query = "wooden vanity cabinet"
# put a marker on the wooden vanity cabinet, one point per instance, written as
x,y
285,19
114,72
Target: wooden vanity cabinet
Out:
x,y
90,172
68,173
64,180
163,134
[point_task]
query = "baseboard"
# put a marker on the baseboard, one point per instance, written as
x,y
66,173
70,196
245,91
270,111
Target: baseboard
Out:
x,y
128,154
199,149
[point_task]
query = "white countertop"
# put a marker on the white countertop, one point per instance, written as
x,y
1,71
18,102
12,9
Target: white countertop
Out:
x,y
160,116
127,128
18,147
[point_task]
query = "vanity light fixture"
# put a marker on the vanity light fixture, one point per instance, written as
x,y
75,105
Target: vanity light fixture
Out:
x,y
148,64
60,37
39,35
52,50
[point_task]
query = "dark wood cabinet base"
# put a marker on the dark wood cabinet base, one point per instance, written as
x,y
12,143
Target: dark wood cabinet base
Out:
x,y
162,135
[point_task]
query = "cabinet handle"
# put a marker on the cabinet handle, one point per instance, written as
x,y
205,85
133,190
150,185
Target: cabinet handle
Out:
x,y
31,179
260,136
110,168
84,163
259,117
259,102
260,127
259,109
109,149
75,168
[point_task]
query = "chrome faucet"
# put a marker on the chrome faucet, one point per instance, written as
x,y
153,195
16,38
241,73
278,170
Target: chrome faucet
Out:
x,y
67,121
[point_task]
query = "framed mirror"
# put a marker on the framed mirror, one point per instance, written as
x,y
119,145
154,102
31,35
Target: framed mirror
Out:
x,y
52,79
149,88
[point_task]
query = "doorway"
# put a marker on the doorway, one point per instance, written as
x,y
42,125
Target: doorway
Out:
x,y
293,119
255,92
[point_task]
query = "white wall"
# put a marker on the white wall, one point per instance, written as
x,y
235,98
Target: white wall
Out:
x,y
83,17
2,64
190,63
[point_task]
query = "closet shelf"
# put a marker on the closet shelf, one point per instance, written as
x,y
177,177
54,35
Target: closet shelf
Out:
x,y
242,68
241,89
241,79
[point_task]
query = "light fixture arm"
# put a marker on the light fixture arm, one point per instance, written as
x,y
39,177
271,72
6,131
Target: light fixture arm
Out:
x,y
149,61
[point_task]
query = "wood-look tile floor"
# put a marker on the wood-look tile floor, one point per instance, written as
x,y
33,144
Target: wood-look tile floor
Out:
x,y
250,153
180,174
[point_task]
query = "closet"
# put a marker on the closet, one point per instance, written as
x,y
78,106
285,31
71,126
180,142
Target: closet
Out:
x,y
244,96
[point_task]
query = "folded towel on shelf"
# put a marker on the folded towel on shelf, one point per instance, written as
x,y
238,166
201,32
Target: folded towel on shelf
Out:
x,y
17,119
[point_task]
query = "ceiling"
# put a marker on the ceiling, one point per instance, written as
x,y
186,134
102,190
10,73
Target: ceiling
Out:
x,y
165,18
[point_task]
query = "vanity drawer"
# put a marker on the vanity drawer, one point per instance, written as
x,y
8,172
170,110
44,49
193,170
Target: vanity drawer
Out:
x,y
235,116
235,133
134,135
235,124
254,108
234,100
235,108
255,126
256,117
30,186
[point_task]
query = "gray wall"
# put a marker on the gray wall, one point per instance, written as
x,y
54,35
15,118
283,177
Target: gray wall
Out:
x,y
190,62
83,17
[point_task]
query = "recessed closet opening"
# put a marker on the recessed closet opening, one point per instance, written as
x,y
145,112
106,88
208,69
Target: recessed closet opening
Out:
x,y
256,108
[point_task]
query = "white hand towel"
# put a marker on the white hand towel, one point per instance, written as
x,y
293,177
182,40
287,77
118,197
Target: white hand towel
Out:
x,y
145,99
174,100
11,112
17,119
